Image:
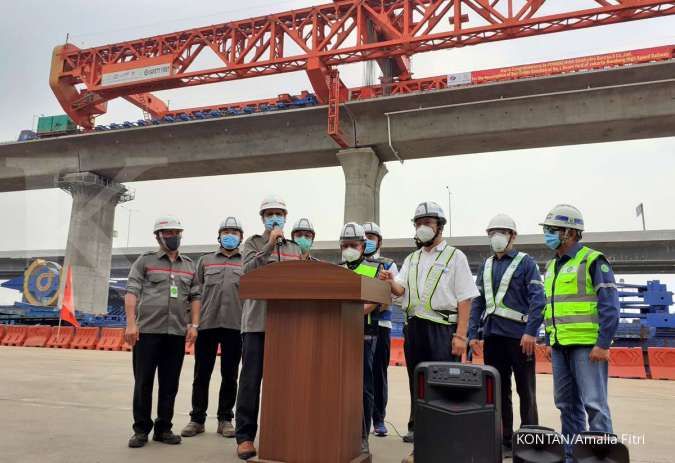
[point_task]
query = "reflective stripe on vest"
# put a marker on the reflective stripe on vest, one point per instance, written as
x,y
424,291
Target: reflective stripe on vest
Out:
x,y
370,270
494,305
571,314
421,306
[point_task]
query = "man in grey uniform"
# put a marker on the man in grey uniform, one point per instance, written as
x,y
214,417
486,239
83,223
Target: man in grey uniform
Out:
x,y
259,250
218,275
160,289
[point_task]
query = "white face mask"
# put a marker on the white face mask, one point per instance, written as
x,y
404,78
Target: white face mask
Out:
x,y
350,254
425,233
499,242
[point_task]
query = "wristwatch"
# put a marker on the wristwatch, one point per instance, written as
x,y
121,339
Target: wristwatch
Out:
x,y
192,325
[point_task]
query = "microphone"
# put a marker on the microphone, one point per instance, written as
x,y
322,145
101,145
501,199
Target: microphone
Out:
x,y
280,240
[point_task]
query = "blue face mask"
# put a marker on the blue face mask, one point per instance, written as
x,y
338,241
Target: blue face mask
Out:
x,y
229,241
552,240
274,220
304,243
371,247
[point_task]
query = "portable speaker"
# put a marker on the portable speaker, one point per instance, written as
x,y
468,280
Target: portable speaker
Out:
x,y
457,413
599,447
537,444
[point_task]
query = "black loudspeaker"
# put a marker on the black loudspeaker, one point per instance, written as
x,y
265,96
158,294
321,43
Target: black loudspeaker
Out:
x,y
537,444
599,447
457,413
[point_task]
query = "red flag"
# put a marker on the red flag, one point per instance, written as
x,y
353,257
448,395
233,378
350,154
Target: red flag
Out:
x,y
67,305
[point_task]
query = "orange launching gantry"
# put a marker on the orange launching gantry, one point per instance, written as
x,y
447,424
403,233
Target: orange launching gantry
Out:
x,y
314,40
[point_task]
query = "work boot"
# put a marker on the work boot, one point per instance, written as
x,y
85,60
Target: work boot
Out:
x,y
138,440
409,459
246,450
166,437
192,429
379,429
365,448
409,438
225,428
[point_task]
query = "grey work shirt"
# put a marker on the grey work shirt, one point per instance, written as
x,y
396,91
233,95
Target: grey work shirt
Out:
x,y
218,276
150,280
256,254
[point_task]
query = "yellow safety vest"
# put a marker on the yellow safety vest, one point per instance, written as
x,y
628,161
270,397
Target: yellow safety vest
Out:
x,y
494,305
420,305
571,314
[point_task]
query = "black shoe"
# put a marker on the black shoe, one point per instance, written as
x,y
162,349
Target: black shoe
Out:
x,y
138,440
167,437
409,438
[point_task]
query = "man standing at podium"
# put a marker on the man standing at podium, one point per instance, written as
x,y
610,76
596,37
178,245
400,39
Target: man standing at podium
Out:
x,y
437,288
382,318
510,309
259,250
352,245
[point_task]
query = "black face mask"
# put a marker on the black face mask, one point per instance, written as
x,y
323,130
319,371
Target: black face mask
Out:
x,y
171,243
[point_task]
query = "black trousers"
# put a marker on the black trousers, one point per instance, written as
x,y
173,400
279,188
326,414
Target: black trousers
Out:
x,y
425,341
369,343
506,355
381,364
206,351
250,379
163,353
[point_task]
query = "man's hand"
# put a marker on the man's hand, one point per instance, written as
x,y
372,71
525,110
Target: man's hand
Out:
x,y
528,344
275,234
385,275
477,347
131,333
598,354
191,335
458,346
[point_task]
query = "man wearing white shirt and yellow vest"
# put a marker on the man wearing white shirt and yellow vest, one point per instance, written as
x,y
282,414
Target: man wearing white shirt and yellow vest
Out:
x,y
437,288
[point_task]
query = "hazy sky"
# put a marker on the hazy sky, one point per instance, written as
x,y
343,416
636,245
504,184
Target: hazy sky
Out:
x,y
606,181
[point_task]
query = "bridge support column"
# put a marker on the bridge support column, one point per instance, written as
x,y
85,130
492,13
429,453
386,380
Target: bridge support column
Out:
x,y
89,247
363,175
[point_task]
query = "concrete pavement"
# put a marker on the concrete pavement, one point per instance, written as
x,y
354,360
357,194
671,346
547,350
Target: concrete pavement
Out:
x,y
71,406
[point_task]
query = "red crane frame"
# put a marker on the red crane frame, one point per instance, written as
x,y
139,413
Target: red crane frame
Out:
x,y
315,40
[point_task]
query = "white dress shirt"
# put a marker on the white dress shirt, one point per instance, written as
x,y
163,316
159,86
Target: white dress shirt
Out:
x,y
456,283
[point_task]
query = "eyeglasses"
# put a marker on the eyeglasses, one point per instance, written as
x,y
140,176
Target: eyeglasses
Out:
x,y
549,229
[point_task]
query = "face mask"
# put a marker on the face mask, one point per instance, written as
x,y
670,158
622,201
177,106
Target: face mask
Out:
x,y
171,243
229,241
425,234
304,243
371,247
351,254
552,240
499,242
275,220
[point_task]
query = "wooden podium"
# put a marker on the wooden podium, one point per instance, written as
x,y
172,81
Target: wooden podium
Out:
x,y
312,399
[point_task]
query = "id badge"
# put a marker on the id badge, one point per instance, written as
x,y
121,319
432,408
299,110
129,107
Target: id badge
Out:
x,y
173,291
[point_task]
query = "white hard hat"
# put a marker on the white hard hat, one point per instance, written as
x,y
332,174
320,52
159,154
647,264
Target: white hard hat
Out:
x,y
502,221
303,225
232,223
564,216
372,227
272,202
429,209
167,222
352,231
